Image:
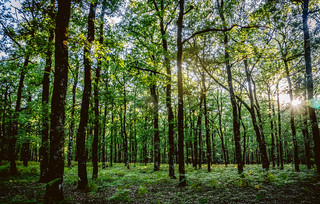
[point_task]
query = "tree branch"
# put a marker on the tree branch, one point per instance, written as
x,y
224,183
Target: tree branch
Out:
x,y
218,30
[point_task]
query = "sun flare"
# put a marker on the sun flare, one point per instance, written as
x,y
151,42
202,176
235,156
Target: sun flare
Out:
x,y
285,99
296,102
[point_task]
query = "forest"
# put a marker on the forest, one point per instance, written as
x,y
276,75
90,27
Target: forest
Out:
x,y
159,101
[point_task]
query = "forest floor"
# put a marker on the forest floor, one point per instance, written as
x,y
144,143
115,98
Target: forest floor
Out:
x,y
140,184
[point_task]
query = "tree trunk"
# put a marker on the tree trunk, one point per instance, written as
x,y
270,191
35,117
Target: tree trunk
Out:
x,y
111,135
54,190
195,146
279,129
145,137
96,104
236,122
206,122
156,126
4,126
71,130
199,129
223,146
260,138
271,126
305,132
45,102
182,178
84,115
125,142
168,90
13,136
292,123
307,57
25,153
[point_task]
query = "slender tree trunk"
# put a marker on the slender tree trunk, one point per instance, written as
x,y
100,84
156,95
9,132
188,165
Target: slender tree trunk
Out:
x,y
279,129
84,114
71,131
307,57
292,123
156,127
95,143
125,143
54,191
45,102
182,178
103,143
271,127
13,136
111,135
195,145
244,135
145,153
223,146
236,122
4,126
305,132
206,123
25,153
168,89
260,138
199,129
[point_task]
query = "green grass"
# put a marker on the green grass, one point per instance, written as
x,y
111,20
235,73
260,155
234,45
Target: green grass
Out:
x,y
140,184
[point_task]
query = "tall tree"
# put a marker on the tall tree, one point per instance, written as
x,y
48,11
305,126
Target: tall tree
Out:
x,y
164,37
96,102
155,102
84,114
43,153
73,107
292,121
182,178
54,190
307,57
236,122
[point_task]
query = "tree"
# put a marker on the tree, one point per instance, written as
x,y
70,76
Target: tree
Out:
x,y
182,178
43,153
309,81
163,29
236,122
54,190
84,115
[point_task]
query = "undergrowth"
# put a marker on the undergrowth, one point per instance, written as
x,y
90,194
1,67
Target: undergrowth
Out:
x,y
119,184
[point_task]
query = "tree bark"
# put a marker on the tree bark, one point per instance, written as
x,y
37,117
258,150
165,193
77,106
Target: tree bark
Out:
x,y
271,127
236,122
305,132
156,126
84,115
54,191
206,122
168,89
125,142
279,129
307,57
71,130
182,178
45,102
